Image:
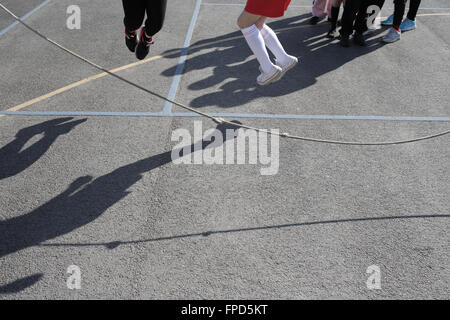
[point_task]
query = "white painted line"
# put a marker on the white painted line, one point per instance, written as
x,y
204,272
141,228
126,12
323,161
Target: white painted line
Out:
x,y
223,115
296,6
243,5
15,23
181,62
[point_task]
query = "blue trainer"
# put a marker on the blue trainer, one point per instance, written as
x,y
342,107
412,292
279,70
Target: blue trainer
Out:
x,y
388,21
408,25
392,36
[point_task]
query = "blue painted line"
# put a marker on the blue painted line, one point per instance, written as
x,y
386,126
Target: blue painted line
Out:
x,y
15,23
223,115
316,117
181,62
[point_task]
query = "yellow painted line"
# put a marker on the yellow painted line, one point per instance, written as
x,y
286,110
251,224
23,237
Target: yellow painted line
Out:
x,y
78,83
434,14
131,65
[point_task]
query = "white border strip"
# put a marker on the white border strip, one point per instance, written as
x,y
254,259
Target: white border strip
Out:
x,y
181,62
243,5
223,115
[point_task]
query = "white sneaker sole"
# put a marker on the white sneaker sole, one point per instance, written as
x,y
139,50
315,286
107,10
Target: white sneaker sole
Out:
x,y
391,41
275,77
288,67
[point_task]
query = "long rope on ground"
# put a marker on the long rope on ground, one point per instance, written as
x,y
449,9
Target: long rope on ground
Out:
x,y
217,119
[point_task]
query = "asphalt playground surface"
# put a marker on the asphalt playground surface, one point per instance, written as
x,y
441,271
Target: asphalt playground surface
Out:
x,y
101,192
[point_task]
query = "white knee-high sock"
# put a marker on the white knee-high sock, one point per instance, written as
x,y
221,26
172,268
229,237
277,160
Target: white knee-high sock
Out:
x,y
256,42
274,45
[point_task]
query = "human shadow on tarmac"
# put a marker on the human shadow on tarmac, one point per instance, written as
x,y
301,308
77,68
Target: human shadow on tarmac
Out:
x,y
14,160
20,284
318,55
83,202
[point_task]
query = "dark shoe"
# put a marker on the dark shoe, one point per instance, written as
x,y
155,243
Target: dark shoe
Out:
x,y
358,38
314,20
345,41
143,46
131,40
333,34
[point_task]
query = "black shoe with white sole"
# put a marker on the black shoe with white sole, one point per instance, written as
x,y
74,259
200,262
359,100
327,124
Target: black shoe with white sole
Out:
x,y
333,34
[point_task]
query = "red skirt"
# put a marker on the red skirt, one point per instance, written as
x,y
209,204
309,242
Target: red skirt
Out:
x,y
267,8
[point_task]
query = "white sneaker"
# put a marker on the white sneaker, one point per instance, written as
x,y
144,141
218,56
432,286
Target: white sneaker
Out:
x,y
288,65
272,76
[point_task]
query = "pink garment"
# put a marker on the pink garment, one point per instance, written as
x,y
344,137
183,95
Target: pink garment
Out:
x,y
318,9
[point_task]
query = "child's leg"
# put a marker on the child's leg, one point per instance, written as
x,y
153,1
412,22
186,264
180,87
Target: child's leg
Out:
x,y
274,45
335,13
134,14
348,17
329,6
399,11
247,19
413,8
337,3
379,3
247,24
318,8
361,18
394,33
156,12
332,33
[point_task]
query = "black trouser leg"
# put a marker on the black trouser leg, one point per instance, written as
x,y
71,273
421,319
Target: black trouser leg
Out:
x,y
379,3
134,14
413,8
399,11
156,11
334,16
361,18
348,17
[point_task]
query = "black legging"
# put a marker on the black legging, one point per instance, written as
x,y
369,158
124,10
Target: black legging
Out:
x,y
350,20
399,10
135,14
